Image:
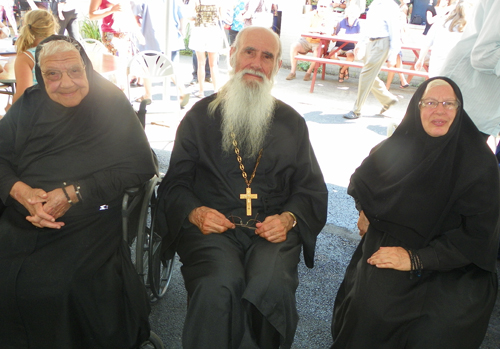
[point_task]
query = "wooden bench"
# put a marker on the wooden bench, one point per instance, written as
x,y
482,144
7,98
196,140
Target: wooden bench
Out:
x,y
324,61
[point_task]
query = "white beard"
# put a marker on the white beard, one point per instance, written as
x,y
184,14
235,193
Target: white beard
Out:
x,y
247,109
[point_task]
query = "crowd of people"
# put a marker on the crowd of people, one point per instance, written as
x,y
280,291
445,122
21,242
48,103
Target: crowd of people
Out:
x,y
244,196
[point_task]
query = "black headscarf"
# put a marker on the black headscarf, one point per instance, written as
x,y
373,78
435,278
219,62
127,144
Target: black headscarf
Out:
x,y
99,143
412,182
86,61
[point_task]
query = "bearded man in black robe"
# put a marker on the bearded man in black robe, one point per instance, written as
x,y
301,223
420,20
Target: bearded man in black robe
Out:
x,y
242,195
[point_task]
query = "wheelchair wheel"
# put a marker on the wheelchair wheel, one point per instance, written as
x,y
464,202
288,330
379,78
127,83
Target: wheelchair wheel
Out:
x,y
143,241
153,342
160,272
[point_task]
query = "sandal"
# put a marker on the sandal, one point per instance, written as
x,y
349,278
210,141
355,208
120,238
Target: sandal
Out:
x,y
341,77
346,74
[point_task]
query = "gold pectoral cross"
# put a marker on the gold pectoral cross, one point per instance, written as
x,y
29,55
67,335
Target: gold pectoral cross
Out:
x,y
248,196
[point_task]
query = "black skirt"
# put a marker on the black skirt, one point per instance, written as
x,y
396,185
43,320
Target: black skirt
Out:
x,y
384,308
70,288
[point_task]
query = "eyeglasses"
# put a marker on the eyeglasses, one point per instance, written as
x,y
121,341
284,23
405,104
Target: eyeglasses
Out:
x,y
432,103
56,75
250,224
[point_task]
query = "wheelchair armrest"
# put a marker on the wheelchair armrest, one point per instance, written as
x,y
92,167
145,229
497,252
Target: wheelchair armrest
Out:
x,y
132,192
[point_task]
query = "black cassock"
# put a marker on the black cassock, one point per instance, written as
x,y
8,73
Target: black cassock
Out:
x,y
75,287
439,196
288,178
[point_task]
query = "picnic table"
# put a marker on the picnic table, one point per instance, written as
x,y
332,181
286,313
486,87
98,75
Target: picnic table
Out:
x,y
329,57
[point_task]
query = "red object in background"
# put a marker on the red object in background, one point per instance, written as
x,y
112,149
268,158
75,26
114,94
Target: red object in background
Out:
x,y
363,15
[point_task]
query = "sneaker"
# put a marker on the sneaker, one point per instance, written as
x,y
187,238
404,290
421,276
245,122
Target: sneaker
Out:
x,y
194,81
307,77
290,76
351,115
386,107
209,79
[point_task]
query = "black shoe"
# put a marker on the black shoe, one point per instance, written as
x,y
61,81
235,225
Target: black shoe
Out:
x,y
208,79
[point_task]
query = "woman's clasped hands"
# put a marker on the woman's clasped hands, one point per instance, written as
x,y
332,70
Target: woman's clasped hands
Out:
x,y
44,207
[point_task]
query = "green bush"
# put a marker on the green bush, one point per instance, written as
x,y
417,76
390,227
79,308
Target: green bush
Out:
x,y
186,51
303,66
90,30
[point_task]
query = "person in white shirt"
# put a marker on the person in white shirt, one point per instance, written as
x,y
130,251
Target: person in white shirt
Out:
x,y
474,64
442,37
380,35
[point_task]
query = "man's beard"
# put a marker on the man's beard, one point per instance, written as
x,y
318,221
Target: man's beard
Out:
x,y
247,109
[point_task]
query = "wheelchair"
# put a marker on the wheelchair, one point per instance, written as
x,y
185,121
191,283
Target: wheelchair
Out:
x,y
138,210
138,207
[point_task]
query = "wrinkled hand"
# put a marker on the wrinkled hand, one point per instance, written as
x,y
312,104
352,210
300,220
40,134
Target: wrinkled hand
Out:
x,y
391,258
57,203
33,199
363,223
274,228
209,220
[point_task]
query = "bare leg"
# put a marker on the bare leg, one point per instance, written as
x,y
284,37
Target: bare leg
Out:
x,y
214,68
402,80
315,53
200,55
390,76
295,49
147,89
411,76
344,69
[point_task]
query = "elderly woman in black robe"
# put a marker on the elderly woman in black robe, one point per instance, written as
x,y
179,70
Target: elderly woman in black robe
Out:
x,y
68,149
424,274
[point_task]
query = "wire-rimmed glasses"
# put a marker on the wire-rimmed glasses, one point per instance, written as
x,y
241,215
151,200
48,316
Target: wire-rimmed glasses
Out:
x,y
432,103
76,72
238,221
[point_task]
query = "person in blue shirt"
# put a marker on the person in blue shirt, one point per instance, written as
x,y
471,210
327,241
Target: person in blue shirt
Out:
x,y
349,25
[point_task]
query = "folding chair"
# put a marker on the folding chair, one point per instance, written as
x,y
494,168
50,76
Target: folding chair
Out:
x,y
93,45
154,66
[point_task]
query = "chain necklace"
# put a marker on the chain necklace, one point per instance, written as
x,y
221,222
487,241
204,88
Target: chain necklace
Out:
x,y
248,196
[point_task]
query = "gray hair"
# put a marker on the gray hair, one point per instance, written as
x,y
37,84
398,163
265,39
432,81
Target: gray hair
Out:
x,y
237,44
435,83
55,47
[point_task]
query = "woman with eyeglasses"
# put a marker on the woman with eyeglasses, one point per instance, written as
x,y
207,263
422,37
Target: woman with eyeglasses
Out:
x,y
68,149
424,273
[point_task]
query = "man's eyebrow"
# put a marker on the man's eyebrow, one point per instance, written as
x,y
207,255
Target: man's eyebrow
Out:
x,y
253,49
